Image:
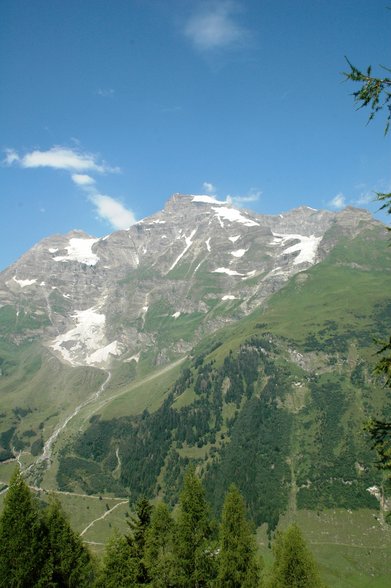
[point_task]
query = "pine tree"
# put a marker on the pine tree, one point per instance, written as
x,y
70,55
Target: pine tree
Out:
x,y
139,525
294,565
159,547
119,569
237,562
194,555
71,561
24,543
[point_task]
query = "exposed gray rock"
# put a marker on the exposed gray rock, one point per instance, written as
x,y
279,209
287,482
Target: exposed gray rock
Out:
x,y
183,272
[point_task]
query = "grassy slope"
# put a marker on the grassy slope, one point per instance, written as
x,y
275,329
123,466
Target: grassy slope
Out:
x,y
37,391
352,549
346,288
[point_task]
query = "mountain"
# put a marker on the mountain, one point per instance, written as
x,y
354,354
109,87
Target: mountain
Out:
x,y
242,342
185,271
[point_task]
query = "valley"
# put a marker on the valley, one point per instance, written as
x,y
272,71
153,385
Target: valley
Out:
x,y
241,344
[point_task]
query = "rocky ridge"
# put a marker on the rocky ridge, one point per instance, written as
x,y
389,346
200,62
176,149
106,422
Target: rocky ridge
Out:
x,y
188,269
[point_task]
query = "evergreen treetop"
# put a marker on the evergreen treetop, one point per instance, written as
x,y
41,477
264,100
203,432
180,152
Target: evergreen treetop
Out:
x,y
237,562
24,543
294,565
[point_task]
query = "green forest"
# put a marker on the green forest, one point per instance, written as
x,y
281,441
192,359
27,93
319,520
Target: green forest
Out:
x,y
219,412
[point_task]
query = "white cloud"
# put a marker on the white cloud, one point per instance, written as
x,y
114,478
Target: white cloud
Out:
x,y
338,202
59,158
214,27
252,196
113,211
72,160
209,188
83,180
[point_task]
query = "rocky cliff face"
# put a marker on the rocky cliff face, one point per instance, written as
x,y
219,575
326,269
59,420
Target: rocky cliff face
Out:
x,y
166,281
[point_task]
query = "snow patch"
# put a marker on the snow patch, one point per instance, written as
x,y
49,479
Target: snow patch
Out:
x,y
207,243
220,221
249,274
24,283
239,252
234,239
52,249
201,262
307,246
233,215
85,342
229,297
80,250
189,243
102,355
176,314
226,270
158,222
205,199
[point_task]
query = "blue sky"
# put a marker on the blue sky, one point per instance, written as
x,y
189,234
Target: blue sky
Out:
x,y
107,107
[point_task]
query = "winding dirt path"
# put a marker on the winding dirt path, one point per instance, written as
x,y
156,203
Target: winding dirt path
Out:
x,y
102,517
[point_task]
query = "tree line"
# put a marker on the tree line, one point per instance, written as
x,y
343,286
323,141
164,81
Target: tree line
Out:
x,y
38,547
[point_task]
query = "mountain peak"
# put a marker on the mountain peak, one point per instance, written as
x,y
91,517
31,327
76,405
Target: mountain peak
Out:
x,y
179,198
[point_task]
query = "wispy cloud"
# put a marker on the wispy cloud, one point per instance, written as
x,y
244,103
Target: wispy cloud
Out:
x,y
83,180
209,188
366,195
59,158
364,199
214,27
10,157
252,196
338,202
75,162
113,211
106,92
